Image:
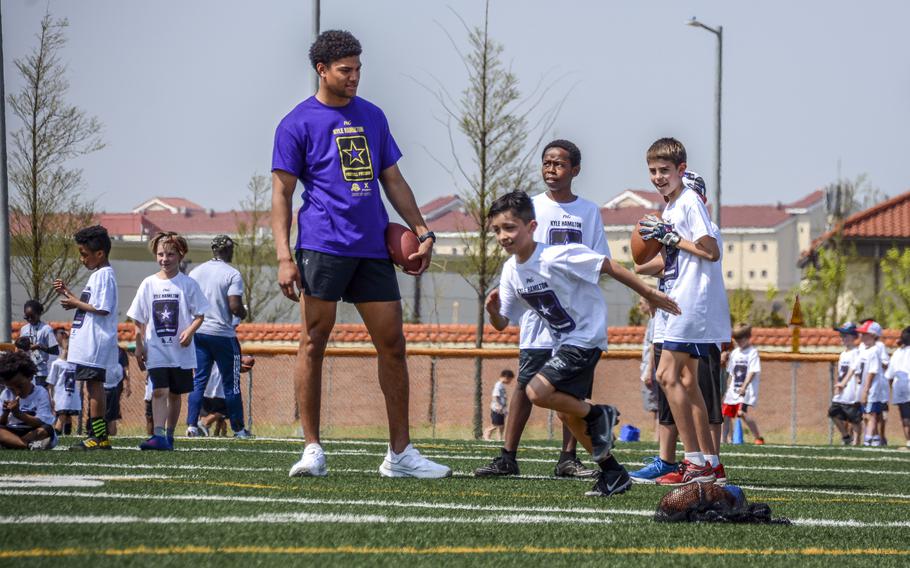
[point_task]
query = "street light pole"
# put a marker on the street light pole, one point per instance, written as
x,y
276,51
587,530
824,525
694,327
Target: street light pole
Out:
x,y
316,16
718,93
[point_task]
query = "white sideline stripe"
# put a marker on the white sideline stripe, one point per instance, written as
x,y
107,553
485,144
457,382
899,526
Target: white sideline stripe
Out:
x,y
838,492
197,468
343,502
286,518
849,523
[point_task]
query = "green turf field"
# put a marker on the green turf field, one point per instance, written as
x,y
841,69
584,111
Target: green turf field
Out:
x,y
227,503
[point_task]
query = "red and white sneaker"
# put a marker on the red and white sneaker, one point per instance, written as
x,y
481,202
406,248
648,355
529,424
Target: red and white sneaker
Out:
x,y
720,475
688,473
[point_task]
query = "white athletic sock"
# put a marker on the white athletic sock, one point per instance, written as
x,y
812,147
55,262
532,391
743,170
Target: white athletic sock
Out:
x,y
696,458
713,460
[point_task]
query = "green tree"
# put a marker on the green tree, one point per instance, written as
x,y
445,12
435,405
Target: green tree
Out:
x,y
823,287
254,254
895,309
741,301
47,202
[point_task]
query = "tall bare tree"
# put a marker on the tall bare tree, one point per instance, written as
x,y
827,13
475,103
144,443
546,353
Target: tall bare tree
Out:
x,y
254,252
496,121
47,203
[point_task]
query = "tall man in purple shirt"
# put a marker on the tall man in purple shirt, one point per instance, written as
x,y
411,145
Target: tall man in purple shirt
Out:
x,y
340,147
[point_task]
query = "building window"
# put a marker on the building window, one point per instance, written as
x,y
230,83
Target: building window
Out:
x,y
751,274
764,273
729,248
764,246
752,247
729,274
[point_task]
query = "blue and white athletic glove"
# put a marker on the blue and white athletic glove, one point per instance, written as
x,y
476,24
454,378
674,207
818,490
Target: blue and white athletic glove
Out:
x,y
654,228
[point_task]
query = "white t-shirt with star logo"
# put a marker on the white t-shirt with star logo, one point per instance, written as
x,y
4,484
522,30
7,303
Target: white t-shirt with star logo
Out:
x,y
167,307
559,283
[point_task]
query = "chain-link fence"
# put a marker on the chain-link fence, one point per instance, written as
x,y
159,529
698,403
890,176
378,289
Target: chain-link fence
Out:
x,y
794,396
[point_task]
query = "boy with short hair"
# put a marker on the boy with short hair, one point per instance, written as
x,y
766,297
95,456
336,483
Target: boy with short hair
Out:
x,y
560,283
744,371
61,382
168,309
499,404
562,218
26,419
93,334
845,411
898,373
692,276
42,342
868,370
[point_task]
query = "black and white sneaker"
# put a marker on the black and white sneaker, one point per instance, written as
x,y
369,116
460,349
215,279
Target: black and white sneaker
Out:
x,y
498,467
601,432
611,483
573,468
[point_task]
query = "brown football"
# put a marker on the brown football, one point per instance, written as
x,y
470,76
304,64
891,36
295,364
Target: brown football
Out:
x,y
402,243
642,250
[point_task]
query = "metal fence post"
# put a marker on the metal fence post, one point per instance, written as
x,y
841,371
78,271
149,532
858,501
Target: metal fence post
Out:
x,y
794,367
433,399
249,399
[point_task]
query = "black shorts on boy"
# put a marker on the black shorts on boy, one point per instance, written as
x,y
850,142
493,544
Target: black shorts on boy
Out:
x,y
175,379
852,413
354,280
211,405
571,370
89,374
112,407
530,362
710,381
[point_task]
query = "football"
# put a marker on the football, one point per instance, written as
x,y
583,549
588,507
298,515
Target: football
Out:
x,y
642,250
402,243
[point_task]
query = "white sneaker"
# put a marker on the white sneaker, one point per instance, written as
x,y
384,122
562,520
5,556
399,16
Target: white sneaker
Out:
x,y
410,463
311,464
192,432
203,429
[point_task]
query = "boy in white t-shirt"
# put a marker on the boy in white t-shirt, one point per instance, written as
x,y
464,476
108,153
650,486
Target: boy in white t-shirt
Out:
x,y
499,404
874,388
93,333
214,406
744,371
693,277
560,283
562,218
884,360
42,343
65,392
26,419
168,309
898,372
846,412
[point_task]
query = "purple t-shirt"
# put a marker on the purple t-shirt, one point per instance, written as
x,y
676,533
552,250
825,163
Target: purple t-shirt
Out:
x,y
338,154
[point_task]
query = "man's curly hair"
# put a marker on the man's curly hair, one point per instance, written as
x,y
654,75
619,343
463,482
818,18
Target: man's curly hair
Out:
x,y
333,45
17,363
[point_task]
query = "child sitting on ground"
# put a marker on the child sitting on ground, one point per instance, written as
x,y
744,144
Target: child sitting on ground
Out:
x,y
26,419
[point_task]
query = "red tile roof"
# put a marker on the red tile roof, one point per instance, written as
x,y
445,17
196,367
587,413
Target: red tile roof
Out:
x,y
889,220
807,201
462,335
752,216
624,216
118,224
438,203
452,222
196,222
177,202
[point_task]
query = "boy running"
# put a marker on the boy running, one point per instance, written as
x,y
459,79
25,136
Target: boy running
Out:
x,y
562,218
560,284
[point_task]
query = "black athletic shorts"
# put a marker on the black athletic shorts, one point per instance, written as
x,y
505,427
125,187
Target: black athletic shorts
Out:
x,y
112,408
352,279
571,370
90,374
177,380
530,361
710,381
852,413
214,405
497,418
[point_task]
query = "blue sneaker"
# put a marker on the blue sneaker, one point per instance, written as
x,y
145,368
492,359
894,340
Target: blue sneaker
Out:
x,y
156,443
170,440
654,468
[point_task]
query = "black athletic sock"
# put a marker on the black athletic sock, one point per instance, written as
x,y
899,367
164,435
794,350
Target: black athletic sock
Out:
x,y
67,429
567,456
98,428
508,455
610,464
594,414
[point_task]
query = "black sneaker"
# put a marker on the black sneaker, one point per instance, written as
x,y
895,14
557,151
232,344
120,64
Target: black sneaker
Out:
x,y
601,433
573,468
611,483
498,467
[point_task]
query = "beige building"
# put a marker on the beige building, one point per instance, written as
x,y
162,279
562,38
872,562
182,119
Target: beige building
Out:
x,y
762,243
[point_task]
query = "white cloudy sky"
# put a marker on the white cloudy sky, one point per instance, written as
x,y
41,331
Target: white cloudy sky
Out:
x,y
190,92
